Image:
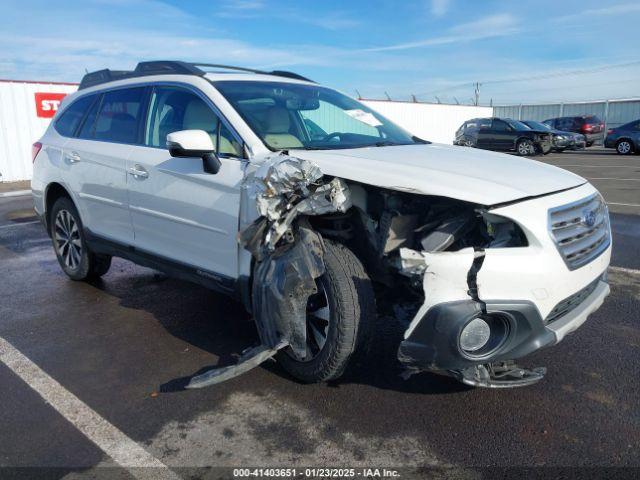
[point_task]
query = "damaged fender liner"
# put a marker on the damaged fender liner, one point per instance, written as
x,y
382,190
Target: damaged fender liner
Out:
x,y
288,255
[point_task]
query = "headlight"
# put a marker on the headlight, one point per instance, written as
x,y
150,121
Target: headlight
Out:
x,y
559,137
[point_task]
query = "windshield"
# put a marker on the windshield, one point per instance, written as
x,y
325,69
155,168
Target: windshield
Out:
x,y
537,125
516,125
290,115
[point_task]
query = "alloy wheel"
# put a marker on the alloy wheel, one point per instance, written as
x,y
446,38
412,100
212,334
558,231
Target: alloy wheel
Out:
x,y
526,148
67,238
624,147
318,319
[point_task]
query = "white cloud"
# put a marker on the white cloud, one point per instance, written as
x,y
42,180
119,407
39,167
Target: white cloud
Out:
x,y
440,7
487,27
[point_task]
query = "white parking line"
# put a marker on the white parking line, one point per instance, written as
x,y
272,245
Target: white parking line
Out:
x,y
123,450
19,224
16,193
625,270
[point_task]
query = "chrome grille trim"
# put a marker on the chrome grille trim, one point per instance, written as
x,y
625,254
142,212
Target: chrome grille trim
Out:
x,y
578,240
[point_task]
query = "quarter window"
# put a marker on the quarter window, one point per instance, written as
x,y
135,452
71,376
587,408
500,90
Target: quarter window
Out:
x,y
68,122
173,109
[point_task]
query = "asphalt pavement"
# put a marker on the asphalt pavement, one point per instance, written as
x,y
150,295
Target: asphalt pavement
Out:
x,y
120,348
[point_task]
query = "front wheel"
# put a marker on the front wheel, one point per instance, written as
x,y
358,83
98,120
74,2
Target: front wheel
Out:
x,y
624,147
340,318
525,147
73,253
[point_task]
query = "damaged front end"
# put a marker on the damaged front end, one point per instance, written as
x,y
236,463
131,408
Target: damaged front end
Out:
x,y
439,246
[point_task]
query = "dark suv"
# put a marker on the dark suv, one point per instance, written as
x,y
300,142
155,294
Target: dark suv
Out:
x,y
503,134
588,125
625,138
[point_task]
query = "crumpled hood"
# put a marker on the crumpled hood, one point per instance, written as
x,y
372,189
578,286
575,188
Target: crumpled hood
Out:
x,y
468,174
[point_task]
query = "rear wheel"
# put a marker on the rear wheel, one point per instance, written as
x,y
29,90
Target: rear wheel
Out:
x,y
525,147
73,253
624,147
467,142
340,318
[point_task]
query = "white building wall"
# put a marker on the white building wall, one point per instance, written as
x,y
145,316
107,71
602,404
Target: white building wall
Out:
x,y
434,122
20,125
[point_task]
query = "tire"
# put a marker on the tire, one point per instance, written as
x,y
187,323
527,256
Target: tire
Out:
x,y
624,147
467,142
589,144
560,150
525,147
77,261
352,311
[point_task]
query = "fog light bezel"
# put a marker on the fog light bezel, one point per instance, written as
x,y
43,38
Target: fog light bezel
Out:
x,y
499,330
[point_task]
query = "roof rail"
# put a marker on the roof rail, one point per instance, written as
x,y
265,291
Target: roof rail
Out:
x,y
160,67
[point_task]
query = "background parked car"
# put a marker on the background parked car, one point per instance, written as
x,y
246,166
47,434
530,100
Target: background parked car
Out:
x,y
503,134
560,140
625,138
588,125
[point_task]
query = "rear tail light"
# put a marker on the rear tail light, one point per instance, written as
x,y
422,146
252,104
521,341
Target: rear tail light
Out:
x,y
610,131
35,149
586,127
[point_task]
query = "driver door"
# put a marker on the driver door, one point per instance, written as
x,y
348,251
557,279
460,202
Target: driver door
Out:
x,y
180,212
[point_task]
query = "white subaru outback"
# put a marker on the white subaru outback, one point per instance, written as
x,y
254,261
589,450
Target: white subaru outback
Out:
x,y
310,208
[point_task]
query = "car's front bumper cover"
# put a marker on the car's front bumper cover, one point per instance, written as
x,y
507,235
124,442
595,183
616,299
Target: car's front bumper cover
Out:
x,y
433,344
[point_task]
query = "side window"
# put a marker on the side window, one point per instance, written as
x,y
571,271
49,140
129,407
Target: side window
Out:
x,y
68,122
173,109
119,115
500,126
484,123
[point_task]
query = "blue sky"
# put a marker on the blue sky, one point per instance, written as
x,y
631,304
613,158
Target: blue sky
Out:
x,y
521,51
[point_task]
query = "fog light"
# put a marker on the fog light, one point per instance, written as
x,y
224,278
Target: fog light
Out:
x,y
475,335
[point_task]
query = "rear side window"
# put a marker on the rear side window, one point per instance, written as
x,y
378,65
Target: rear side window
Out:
x,y
593,120
69,120
118,117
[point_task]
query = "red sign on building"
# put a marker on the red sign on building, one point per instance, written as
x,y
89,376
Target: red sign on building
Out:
x,y
47,104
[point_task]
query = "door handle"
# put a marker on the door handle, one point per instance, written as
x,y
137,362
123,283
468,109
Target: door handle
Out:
x,y
138,172
73,157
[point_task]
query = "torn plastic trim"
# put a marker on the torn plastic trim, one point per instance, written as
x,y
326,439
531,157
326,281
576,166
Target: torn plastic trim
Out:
x,y
499,375
285,187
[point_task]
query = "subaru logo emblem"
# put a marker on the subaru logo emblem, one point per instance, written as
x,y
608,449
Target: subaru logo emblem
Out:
x,y
589,218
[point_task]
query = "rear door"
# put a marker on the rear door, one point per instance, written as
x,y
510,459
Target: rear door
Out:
x,y
484,135
179,211
503,135
97,160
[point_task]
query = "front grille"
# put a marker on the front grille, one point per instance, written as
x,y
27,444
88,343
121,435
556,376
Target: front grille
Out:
x,y
580,230
572,302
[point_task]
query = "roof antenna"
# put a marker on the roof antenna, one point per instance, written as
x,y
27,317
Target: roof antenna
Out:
x,y
388,97
358,93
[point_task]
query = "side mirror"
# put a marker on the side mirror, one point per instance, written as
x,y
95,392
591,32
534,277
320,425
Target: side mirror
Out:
x,y
194,143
